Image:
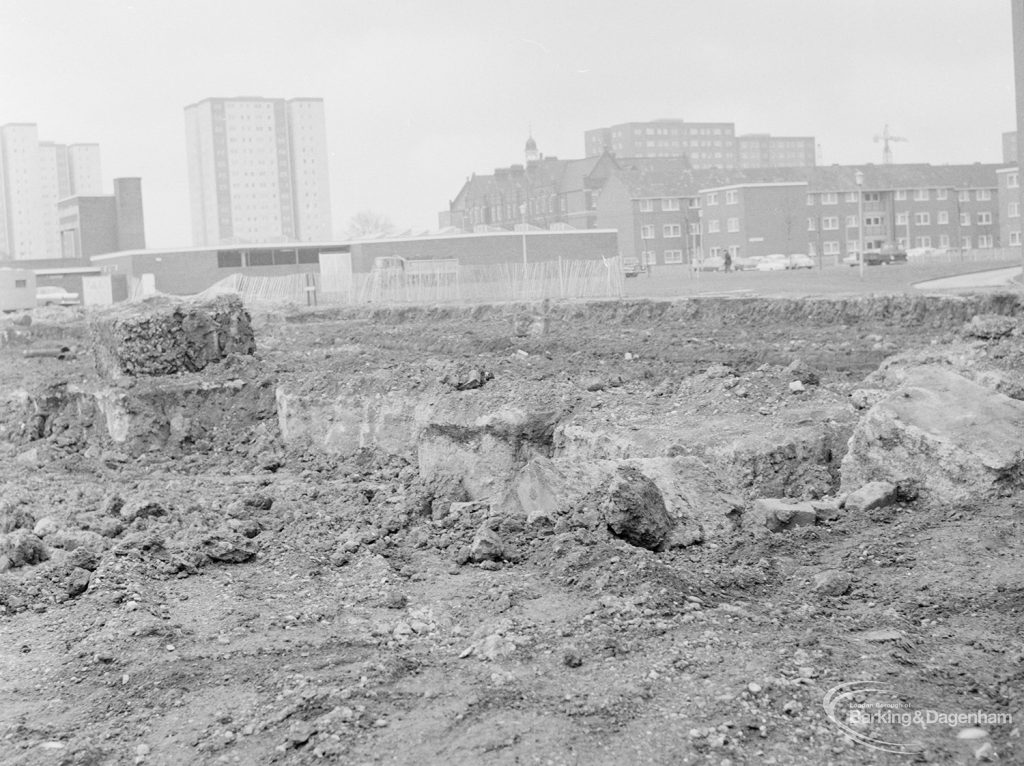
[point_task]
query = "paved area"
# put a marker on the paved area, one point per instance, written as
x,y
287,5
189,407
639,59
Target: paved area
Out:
x,y
992,278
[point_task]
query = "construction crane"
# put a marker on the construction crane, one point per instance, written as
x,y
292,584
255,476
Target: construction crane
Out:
x,y
886,137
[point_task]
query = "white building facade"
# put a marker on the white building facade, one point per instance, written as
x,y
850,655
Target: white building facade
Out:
x,y
258,170
34,177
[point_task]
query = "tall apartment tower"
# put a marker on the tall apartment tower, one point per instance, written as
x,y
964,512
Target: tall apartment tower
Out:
x,y
258,170
34,177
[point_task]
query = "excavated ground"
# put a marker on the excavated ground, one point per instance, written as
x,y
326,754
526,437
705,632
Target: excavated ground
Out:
x,y
246,565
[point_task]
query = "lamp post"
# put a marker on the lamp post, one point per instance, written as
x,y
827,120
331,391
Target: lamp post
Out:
x,y
859,176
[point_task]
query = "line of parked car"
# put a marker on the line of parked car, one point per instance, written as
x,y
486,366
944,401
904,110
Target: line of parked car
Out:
x,y
886,255
773,262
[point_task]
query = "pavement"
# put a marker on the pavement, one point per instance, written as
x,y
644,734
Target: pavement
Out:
x,y
991,278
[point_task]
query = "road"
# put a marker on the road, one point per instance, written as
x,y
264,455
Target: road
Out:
x,y
992,278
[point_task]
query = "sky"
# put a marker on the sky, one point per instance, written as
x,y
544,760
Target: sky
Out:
x,y
420,95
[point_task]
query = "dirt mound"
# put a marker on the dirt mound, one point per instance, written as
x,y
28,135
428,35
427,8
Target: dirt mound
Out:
x,y
163,336
366,542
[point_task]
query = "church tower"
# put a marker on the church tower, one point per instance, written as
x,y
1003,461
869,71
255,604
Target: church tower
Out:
x,y
532,155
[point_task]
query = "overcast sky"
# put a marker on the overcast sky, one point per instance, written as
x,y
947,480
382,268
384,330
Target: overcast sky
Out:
x,y
419,95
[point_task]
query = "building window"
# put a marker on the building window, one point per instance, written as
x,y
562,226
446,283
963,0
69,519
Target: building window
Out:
x,y
965,219
902,218
901,195
229,259
943,216
942,194
851,220
983,195
713,198
673,256
732,197
693,203
985,241
830,223
1013,210
810,199
921,195
964,195
922,241
984,219
922,219
852,245
20,283
695,228
943,240
669,205
812,224
831,247
647,232
851,196
733,224
901,242
1014,237
965,243
714,226
829,198
714,251
1012,183
873,220
646,205
260,258
670,230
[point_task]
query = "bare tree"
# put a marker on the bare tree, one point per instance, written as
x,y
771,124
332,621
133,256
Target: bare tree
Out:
x,y
368,223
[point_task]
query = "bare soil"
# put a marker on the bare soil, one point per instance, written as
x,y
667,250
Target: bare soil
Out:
x,y
251,601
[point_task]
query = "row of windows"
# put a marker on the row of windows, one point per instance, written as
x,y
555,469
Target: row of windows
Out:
x,y
668,231
984,218
919,195
984,242
731,224
731,198
234,259
667,205
676,132
668,256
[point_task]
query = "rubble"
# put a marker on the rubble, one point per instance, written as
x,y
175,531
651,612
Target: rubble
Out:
x,y
990,326
875,494
941,434
632,507
164,336
777,515
21,548
359,524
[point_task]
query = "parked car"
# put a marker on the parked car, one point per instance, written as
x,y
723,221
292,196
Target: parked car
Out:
x,y
853,259
55,295
773,262
711,263
801,261
631,267
748,263
887,254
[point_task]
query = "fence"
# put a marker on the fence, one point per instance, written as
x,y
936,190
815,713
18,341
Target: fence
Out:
x,y
439,281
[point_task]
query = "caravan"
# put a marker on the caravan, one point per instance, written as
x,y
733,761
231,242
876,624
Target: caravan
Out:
x,y
17,290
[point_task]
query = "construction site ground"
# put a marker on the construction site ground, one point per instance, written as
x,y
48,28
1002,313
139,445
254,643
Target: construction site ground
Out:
x,y
266,602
